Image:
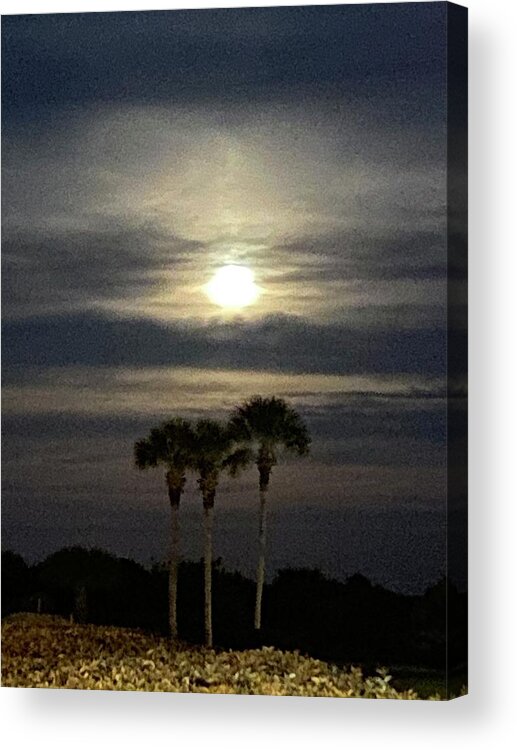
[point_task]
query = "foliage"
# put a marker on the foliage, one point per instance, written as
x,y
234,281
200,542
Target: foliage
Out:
x,y
270,423
47,651
213,451
170,445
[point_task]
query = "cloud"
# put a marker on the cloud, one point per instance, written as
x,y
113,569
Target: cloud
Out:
x,y
73,270
415,253
276,344
131,205
57,62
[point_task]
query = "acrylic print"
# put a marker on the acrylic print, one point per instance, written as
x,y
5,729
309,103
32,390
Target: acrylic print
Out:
x,y
234,351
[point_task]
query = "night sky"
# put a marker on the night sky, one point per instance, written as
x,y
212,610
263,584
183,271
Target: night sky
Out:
x,y
142,152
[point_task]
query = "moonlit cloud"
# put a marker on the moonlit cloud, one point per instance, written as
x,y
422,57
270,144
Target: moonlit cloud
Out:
x,y
160,198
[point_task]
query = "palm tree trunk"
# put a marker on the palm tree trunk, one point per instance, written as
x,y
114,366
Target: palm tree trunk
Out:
x,y
174,541
261,569
208,507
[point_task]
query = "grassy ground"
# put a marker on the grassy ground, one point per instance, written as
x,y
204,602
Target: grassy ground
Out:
x,y
46,651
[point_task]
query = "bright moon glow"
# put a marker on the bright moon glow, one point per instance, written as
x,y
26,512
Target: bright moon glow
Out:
x,y
233,286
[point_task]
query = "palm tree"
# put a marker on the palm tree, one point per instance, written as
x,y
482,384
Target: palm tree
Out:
x,y
214,452
170,445
270,425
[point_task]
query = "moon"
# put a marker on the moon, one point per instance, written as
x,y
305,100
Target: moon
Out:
x,y
233,287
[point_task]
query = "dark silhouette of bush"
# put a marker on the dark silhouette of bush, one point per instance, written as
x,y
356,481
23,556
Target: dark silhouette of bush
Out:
x,y
17,584
440,625
96,587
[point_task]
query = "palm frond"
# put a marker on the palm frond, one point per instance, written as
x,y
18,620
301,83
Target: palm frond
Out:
x,y
270,422
212,442
170,444
238,460
144,455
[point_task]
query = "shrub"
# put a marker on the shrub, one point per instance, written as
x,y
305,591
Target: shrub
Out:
x,y
48,651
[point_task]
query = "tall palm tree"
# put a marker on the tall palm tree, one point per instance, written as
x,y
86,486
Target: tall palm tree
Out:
x,y
215,451
270,425
170,445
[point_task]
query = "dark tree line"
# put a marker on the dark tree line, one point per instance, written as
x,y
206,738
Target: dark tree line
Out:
x,y
354,622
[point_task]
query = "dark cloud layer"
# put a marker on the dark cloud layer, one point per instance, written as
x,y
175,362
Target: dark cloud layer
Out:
x,y
75,268
58,61
276,343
